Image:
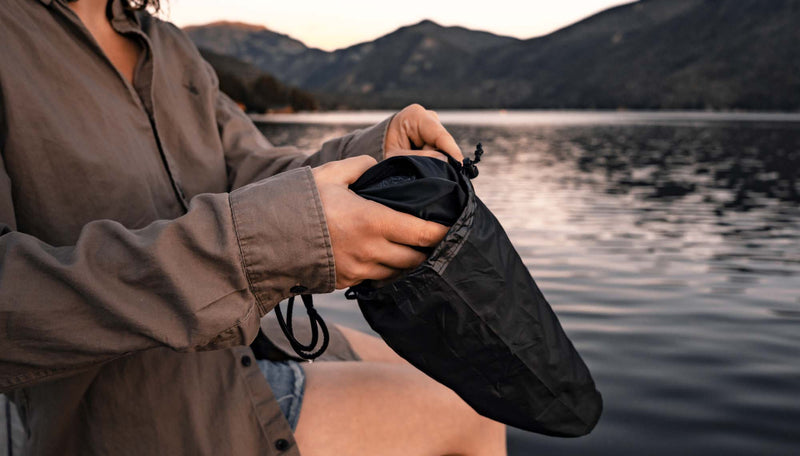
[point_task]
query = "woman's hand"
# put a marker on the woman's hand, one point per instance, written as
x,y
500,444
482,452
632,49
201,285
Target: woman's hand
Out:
x,y
369,240
417,131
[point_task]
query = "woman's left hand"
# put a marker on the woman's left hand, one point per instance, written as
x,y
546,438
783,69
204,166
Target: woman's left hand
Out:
x,y
418,131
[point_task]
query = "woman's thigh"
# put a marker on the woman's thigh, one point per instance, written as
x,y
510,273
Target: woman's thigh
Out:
x,y
370,348
384,406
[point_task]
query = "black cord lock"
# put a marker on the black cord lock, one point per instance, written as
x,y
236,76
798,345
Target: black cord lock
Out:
x,y
469,164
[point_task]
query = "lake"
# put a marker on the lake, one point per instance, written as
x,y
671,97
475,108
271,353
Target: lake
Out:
x,y
669,246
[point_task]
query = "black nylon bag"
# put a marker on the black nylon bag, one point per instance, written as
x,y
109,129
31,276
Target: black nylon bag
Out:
x,y
471,316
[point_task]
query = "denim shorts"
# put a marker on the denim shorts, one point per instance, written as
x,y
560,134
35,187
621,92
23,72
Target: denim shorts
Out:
x,y
288,382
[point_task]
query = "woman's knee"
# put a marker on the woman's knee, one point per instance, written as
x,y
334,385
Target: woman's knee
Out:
x,y
471,433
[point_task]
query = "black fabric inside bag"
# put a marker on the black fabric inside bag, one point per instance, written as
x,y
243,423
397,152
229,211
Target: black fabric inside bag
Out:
x,y
428,189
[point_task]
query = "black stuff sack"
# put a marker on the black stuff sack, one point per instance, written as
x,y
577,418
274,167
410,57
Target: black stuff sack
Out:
x,y
471,316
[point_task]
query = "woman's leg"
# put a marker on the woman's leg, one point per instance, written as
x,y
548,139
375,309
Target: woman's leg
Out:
x,y
370,348
384,406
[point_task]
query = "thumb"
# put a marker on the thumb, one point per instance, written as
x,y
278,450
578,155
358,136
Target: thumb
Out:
x,y
350,169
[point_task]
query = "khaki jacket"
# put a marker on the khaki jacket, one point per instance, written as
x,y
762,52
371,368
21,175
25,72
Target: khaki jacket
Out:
x,y
145,230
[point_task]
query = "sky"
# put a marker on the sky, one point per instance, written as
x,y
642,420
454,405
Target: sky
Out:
x,y
332,25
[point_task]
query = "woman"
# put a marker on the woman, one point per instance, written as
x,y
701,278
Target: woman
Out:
x,y
147,227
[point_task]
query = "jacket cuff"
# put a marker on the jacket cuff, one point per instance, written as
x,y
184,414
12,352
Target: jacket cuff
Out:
x,y
283,237
368,141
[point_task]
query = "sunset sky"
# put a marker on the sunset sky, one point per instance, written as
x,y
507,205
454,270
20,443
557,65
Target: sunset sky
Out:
x,y
334,24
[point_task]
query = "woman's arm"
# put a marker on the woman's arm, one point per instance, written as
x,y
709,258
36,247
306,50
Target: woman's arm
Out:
x,y
201,281
249,156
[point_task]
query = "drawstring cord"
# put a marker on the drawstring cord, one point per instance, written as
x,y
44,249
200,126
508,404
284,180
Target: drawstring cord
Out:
x,y
304,351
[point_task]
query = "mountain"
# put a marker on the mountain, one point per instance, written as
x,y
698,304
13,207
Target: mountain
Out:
x,y
650,54
275,53
422,60
254,88
696,54
397,65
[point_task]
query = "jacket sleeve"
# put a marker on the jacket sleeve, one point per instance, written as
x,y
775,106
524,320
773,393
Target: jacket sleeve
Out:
x,y
201,281
249,156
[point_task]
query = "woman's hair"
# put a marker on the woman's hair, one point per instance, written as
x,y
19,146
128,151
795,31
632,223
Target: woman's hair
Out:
x,y
138,4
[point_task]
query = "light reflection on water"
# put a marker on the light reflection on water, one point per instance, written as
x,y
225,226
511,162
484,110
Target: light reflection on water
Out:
x,y
671,252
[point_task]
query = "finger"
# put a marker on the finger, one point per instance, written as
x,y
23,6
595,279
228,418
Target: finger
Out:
x,y
413,135
350,169
381,272
406,229
431,131
371,272
398,256
432,152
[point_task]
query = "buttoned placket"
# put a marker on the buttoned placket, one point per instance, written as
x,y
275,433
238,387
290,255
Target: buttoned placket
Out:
x,y
254,381
141,90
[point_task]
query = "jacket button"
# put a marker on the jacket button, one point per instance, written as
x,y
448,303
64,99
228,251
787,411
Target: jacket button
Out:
x,y
297,289
246,361
281,444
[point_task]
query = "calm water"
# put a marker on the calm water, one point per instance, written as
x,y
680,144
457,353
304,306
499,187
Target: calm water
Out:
x,y
669,246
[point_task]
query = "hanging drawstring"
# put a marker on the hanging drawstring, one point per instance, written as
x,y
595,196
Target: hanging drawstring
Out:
x,y
469,164
317,324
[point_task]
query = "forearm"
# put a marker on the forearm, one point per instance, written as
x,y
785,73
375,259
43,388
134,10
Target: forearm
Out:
x,y
201,281
250,156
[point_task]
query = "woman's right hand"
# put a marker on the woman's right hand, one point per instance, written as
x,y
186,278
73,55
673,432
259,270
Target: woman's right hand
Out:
x,y
369,240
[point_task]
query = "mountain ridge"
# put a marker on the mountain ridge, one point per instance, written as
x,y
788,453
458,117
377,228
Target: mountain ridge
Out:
x,y
650,54
224,23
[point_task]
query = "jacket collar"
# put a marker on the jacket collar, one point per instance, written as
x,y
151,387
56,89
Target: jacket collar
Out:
x,y
123,19
120,17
